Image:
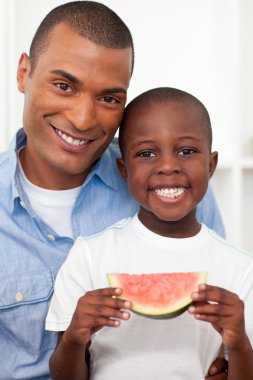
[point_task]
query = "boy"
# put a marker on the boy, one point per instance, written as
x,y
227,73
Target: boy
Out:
x,y
165,140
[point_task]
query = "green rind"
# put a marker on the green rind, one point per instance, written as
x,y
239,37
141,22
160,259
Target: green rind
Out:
x,y
158,314
170,315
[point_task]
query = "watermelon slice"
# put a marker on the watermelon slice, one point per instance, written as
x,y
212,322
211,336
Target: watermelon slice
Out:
x,y
158,295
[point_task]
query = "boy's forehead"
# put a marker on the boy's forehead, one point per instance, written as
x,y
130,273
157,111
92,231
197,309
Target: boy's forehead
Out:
x,y
179,113
175,118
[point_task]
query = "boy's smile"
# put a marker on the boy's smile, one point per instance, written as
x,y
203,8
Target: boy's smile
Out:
x,y
167,163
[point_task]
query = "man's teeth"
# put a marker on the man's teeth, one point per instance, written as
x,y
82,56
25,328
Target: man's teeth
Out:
x,y
170,193
70,140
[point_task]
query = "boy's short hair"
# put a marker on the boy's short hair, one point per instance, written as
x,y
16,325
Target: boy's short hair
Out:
x,y
89,19
164,95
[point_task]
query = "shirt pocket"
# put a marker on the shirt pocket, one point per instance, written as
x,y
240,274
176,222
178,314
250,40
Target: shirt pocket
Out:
x,y
24,302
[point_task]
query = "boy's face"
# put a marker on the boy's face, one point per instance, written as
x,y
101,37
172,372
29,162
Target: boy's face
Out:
x,y
74,101
167,162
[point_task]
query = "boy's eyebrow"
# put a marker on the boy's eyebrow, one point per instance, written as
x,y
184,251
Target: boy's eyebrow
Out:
x,y
76,81
140,142
194,138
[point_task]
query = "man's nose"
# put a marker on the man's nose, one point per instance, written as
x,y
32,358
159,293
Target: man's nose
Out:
x,y
82,114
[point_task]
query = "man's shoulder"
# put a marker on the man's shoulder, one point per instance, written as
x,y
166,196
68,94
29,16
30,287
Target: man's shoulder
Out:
x,y
5,166
4,158
208,212
8,158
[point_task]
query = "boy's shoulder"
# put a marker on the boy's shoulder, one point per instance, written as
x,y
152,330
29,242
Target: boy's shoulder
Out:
x,y
227,246
116,228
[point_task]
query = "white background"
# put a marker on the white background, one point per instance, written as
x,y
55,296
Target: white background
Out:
x,y
201,46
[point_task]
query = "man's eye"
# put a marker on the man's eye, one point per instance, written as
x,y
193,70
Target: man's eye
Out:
x,y
64,87
147,154
109,99
186,151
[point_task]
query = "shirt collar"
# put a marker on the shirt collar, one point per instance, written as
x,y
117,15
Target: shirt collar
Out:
x,y
106,169
17,144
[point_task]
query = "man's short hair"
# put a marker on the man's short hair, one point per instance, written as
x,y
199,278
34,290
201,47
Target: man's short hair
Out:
x,y
90,20
165,95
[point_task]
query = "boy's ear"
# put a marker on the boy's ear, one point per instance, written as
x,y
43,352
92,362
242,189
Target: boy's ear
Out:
x,y
122,167
213,161
23,71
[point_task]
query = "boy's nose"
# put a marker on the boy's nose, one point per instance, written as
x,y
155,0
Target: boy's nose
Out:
x,y
168,164
83,114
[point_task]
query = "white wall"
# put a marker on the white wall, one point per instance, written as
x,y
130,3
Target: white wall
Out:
x,y
202,46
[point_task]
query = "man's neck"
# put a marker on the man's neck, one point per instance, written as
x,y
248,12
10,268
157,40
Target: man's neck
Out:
x,y
41,175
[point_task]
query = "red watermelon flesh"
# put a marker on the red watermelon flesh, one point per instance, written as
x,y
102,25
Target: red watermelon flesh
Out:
x,y
158,295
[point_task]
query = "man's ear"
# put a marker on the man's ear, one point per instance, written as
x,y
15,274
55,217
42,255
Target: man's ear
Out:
x,y
122,168
213,161
24,68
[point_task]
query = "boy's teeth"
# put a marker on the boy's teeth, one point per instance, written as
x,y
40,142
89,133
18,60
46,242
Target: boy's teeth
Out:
x,y
170,193
69,139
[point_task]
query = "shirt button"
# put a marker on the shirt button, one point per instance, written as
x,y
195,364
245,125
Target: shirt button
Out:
x,y
19,297
51,237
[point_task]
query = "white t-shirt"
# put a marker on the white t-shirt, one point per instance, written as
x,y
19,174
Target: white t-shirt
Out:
x,y
53,206
144,348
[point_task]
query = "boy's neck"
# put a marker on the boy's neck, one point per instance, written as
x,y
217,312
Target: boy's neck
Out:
x,y
183,228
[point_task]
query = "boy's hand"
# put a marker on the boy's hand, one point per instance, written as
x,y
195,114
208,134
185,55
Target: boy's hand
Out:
x,y
96,309
218,370
225,313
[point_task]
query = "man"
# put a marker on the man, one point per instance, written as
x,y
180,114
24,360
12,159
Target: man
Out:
x,y
59,180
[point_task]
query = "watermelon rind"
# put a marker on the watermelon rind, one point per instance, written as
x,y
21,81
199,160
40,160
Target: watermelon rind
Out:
x,y
156,313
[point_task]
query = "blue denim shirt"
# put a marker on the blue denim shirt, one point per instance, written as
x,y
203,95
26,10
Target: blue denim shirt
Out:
x,y
31,253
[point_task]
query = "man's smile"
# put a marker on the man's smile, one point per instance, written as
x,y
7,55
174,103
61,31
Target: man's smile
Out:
x,y
70,140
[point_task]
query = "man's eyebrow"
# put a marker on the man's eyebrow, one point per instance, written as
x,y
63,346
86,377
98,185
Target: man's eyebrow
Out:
x,y
76,81
114,90
66,75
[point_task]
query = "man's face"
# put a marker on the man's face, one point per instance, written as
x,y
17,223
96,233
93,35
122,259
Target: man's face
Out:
x,y
167,161
74,100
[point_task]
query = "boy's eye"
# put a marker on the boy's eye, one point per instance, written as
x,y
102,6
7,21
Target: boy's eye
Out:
x,y
147,154
64,87
186,151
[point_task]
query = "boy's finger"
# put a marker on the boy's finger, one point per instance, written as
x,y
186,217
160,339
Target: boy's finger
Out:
x,y
220,376
214,294
218,370
216,310
96,323
108,292
104,297
97,311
